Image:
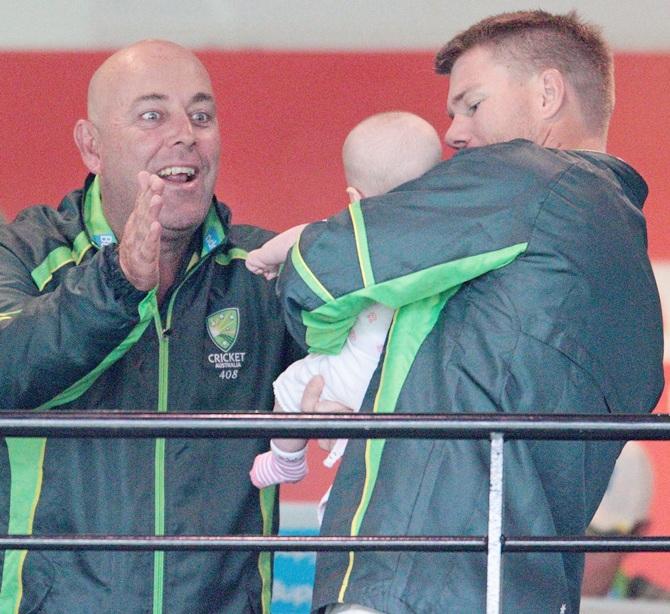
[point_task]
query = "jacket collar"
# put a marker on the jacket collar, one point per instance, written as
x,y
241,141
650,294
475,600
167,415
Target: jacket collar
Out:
x,y
631,181
100,233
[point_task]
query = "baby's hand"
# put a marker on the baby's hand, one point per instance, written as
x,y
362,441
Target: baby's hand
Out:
x,y
258,266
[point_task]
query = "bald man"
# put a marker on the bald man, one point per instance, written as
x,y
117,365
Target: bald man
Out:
x,y
133,295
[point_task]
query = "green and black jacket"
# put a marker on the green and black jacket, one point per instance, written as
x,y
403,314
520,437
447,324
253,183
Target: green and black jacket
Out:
x,y
76,335
522,285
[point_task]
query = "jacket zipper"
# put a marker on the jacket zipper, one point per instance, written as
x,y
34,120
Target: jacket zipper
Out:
x,y
163,333
159,464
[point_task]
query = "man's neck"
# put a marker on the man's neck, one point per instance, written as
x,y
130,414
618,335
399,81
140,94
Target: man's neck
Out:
x,y
590,144
573,138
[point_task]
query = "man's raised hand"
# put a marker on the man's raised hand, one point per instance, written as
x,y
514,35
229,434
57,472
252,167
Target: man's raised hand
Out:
x,y
139,249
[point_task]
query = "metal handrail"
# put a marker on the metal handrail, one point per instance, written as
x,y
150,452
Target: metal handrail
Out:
x,y
298,543
351,426
496,427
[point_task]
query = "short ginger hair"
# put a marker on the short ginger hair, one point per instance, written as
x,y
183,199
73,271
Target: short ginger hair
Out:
x,y
532,41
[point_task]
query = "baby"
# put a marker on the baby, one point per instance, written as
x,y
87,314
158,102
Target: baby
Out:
x,y
379,154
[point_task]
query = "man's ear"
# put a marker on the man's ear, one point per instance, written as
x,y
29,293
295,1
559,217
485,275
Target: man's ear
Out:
x,y
354,194
87,141
552,92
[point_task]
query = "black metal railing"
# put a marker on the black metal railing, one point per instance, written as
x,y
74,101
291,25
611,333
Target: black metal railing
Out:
x,y
496,427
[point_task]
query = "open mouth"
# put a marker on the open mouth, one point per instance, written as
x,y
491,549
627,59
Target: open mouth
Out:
x,y
178,174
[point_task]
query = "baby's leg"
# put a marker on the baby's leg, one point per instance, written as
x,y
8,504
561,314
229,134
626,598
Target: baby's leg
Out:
x,y
287,445
285,462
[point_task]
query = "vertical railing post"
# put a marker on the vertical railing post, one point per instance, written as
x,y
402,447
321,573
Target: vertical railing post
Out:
x,y
494,555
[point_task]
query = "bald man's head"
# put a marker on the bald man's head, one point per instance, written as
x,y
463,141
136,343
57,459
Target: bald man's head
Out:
x,y
137,58
388,149
151,108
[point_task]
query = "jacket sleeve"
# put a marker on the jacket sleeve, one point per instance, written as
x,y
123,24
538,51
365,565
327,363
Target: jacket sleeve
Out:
x,y
52,339
468,216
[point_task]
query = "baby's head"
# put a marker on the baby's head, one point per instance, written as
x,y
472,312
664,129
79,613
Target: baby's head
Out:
x,y
386,150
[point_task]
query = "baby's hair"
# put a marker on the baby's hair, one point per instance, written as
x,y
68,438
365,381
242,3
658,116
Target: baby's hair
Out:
x,y
389,149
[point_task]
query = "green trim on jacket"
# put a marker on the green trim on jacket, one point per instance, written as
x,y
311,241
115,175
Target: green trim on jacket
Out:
x,y
328,325
409,329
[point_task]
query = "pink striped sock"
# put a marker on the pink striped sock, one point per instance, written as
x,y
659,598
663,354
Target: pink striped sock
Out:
x,y
274,468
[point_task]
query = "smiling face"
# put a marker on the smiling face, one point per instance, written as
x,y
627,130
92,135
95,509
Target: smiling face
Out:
x,y
151,108
489,102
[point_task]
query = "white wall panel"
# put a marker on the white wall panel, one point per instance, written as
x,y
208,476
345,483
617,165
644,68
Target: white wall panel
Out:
x,y
300,24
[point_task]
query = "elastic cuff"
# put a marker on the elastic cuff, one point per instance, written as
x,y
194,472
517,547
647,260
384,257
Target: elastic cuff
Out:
x,y
122,289
288,456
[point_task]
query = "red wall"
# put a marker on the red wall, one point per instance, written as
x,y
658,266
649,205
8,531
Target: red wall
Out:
x,y
283,118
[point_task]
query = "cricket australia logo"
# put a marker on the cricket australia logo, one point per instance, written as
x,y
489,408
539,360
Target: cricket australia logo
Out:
x,y
223,328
